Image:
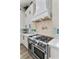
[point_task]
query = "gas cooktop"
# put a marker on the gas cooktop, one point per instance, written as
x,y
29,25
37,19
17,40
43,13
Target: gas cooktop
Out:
x,y
43,38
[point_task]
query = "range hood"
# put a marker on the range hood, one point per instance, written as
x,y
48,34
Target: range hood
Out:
x,y
40,6
41,10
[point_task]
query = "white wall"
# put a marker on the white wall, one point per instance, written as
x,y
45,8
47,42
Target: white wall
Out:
x,y
54,53
22,19
49,6
55,14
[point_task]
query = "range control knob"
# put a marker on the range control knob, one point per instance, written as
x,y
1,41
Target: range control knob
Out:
x,y
39,43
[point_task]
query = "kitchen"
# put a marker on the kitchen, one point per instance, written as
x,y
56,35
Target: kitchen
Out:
x,y
39,29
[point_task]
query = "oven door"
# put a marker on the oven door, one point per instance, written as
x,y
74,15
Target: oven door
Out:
x,y
38,53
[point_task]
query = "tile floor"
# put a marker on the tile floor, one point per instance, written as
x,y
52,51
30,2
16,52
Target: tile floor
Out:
x,y
24,53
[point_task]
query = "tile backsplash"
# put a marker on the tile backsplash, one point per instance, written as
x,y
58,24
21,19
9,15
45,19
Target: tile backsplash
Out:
x,y
44,27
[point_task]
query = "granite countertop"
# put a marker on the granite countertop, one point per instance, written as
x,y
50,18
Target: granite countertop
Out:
x,y
54,43
27,34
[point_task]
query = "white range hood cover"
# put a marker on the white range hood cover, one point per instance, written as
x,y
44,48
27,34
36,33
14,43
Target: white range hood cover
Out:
x,y
40,6
41,10
40,15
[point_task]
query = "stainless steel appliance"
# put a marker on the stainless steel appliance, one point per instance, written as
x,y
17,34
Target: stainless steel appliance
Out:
x,y
38,46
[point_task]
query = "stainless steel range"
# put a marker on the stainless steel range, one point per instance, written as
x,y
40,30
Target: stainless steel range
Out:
x,y
38,46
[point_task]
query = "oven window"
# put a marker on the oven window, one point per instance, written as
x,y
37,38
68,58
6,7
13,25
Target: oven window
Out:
x,y
39,53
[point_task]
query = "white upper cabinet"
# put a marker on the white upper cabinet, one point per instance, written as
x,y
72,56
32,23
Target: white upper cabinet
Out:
x,y
40,16
29,10
40,6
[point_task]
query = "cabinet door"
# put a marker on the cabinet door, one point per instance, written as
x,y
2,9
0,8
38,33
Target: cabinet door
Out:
x,y
30,10
54,53
21,39
25,41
